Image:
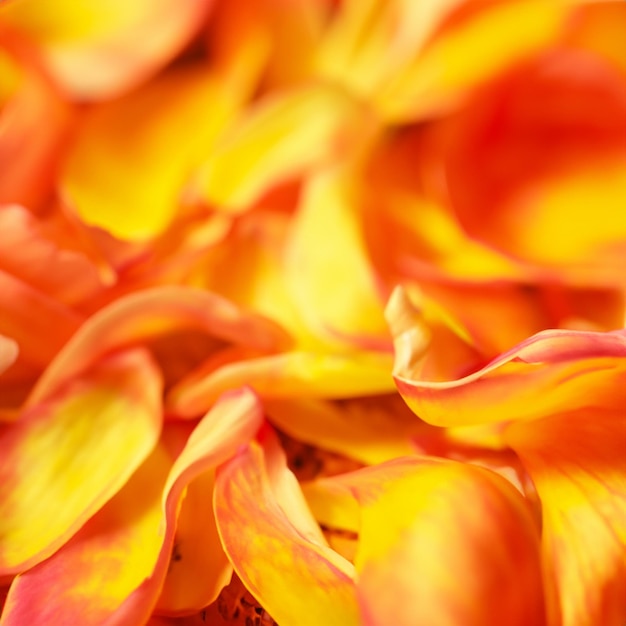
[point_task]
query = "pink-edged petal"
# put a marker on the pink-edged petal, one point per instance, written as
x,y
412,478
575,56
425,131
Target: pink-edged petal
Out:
x,y
550,371
91,49
90,576
30,255
444,543
152,313
8,352
577,461
232,422
67,457
289,374
272,546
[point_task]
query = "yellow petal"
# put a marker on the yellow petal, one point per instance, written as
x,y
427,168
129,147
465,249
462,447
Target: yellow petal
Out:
x,y
64,459
92,50
445,543
285,136
576,462
296,580
133,190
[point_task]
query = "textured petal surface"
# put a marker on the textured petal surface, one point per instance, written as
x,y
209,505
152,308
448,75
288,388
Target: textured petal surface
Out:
x,y
577,463
302,582
551,370
425,556
57,465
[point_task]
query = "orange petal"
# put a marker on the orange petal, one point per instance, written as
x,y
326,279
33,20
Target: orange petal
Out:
x,y
552,370
445,543
295,578
232,422
90,576
153,313
289,374
576,461
102,177
31,256
8,352
67,457
92,49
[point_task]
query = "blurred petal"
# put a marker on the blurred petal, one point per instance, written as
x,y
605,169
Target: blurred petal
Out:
x,y
35,125
551,371
340,299
284,136
91,575
232,422
66,458
31,256
298,581
289,374
134,190
91,48
424,555
8,352
152,313
576,461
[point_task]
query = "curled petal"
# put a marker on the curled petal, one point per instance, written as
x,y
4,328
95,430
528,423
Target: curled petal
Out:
x,y
91,49
444,543
295,577
153,313
66,457
576,461
551,371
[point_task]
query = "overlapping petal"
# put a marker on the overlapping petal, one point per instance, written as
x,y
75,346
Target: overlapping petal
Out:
x,y
577,463
8,352
57,467
551,371
302,581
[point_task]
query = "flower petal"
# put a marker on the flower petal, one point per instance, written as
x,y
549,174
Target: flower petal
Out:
x,y
297,580
232,422
103,176
425,554
8,352
66,458
576,461
552,370
92,50
153,313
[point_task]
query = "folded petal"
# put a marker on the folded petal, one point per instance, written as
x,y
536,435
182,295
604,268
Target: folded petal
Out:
x,y
65,458
153,313
92,50
296,579
550,371
576,461
445,543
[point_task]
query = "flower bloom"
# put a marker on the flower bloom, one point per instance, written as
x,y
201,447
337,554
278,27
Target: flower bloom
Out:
x,y
313,311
